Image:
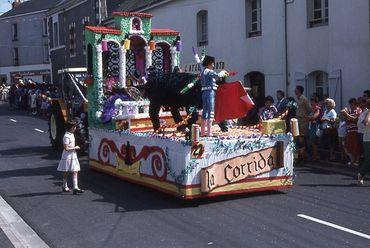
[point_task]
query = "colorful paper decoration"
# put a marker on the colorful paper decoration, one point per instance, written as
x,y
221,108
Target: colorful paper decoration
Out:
x,y
127,44
152,45
104,45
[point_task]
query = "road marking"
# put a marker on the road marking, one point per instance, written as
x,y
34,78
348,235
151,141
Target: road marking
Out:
x,y
13,120
363,235
38,130
18,232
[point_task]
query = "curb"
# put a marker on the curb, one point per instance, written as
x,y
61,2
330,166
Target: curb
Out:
x,y
18,232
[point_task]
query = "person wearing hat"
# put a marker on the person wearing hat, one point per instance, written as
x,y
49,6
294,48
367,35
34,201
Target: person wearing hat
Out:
x,y
208,81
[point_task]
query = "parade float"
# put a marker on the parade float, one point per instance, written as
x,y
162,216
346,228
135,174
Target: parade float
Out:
x,y
133,138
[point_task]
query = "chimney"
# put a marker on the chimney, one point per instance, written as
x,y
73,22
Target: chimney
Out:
x,y
16,3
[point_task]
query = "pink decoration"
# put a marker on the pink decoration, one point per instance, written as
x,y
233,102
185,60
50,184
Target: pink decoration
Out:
x,y
104,45
110,82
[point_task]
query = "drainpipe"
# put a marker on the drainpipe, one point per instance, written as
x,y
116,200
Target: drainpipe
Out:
x,y
286,49
287,83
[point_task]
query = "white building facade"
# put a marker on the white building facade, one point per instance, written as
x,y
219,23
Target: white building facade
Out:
x,y
323,45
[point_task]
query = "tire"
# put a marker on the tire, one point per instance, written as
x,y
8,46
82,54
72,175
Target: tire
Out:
x,y
56,127
82,135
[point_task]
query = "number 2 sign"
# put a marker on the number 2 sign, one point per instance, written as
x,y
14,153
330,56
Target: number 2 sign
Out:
x,y
197,150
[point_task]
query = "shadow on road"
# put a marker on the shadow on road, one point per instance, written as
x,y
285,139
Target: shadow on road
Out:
x,y
40,194
131,197
5,110
48,153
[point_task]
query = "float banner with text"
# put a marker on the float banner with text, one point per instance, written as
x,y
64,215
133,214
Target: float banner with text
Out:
x,y
242,167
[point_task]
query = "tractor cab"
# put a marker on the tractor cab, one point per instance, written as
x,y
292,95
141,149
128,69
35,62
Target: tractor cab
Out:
x,y
72,90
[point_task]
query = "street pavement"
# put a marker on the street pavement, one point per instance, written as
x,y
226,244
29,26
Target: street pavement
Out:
x,y
325,208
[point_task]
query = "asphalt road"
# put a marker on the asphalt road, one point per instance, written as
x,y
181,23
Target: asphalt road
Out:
x,y
114,213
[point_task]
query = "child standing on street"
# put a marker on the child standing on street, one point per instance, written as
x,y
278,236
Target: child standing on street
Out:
x,y
69,161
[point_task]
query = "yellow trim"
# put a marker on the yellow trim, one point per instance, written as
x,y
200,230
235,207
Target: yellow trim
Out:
x,y
196,190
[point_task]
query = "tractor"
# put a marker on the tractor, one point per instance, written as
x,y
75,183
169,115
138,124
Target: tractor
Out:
x,y
69,102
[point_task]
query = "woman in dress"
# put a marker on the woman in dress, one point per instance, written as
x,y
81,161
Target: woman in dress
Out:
x,y
69,161
352,142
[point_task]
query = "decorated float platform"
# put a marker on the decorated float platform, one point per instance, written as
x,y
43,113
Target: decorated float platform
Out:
x,y
124,144
244,161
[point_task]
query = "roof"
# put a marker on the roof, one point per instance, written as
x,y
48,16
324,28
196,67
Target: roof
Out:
x,y
129,5
129,14
103,30
160,32
63,5
31,6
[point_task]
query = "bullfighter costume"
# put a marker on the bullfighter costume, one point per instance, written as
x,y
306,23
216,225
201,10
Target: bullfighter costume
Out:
x,y
208,81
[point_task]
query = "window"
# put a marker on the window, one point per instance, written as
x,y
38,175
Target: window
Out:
x,y
136,24
254,19
16,56
202,28
318,12
72,39
55,34
15,31
45,27
321,84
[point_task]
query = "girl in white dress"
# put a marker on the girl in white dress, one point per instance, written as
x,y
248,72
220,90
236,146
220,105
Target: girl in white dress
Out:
x,y
69,161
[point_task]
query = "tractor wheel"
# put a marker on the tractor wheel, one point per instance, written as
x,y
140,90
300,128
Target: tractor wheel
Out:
x,y
56,128
82,135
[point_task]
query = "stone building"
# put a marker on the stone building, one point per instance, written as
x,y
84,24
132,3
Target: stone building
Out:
x,y
24,42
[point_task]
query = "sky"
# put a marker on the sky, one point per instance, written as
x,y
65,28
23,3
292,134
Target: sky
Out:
x,y
4,6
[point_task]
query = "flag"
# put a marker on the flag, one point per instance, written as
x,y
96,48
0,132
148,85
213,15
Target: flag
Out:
x,y
232,101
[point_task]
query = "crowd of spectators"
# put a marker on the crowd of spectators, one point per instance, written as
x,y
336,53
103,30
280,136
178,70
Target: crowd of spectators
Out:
x,y
325,131
30,96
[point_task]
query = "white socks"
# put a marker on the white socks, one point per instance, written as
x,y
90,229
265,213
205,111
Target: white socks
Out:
x,y
203,128
65,185
209,128
206,125
75,181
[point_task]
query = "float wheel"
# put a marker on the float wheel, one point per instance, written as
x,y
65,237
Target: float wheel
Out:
x,y
56,128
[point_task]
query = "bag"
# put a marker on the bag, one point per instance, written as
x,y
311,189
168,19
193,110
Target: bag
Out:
x,y
319,132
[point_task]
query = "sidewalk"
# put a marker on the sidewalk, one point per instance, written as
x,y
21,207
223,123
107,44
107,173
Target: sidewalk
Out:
x,y
14,232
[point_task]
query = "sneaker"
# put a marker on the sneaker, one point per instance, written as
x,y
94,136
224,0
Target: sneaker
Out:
x,y
78,191
66,189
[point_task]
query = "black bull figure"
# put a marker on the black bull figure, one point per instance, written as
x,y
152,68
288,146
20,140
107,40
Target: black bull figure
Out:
x,y
164,90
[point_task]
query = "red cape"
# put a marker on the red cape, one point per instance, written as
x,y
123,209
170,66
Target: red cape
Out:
x,y
232,102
